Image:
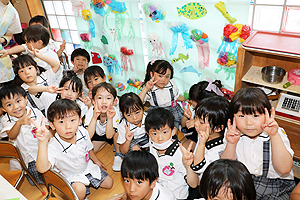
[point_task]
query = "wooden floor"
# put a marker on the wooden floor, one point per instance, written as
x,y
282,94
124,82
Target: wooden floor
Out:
x,y
106,155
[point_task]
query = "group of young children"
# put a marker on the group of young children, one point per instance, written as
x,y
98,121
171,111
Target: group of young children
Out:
x,y
235,150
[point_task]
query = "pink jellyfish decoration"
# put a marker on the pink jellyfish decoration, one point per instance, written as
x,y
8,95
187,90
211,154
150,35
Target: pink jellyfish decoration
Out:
x,y
125,59
158,51
201,40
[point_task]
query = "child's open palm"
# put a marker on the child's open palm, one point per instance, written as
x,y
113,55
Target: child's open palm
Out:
x,y
41,133
128,134
187,155
270,125
233,134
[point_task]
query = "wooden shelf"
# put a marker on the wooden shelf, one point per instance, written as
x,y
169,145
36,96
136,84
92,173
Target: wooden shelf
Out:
x,y
253,75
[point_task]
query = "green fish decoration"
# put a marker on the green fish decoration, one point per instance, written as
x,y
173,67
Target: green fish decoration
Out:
x,y
104,39
181,57
192,10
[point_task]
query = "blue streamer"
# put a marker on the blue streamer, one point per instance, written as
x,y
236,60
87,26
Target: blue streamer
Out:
x,y
181,28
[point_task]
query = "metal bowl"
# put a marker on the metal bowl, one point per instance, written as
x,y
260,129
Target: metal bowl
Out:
x,y
272,74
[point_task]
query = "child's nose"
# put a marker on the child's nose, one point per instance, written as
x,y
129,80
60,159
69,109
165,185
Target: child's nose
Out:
x,y
248,121
132,188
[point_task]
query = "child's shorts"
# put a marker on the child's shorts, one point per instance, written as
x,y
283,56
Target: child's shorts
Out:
x,y
142,142
35,174
96,137
94,182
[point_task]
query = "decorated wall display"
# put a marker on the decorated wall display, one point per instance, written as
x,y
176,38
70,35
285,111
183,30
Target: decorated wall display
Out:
x,y
186,33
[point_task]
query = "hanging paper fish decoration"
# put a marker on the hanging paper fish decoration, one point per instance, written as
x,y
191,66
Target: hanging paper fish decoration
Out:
x,y
192,10
190,69
181,57
112,64
154,12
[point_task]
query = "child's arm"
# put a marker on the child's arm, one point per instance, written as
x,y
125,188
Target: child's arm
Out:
x,y
187,159
14,50
202,139
93,123
54,63
232,136
110,131
61,48
95,159
51,89
149,85
43,135
15,130
86,100
124,148
187,117
180,98
281,158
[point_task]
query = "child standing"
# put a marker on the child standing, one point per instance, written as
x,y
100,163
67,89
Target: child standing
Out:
x,y
160,90
131,129
227,179
30,74
70,151
140,173
173,174
102,119
80,58
255,139
17,125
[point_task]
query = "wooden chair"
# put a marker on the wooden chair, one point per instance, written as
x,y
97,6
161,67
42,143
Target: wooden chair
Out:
x,y
10,150
54,179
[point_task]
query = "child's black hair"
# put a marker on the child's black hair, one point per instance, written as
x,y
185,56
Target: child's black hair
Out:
x,y
80,52
215,110
11,90
197,91
39,19
159,66
23,61
130,102
107,86
249,101
140,165
230,174
75,81
35,33
61,108
158,118
93,70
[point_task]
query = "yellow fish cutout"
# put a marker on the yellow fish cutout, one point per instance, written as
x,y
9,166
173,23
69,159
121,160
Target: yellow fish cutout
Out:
x,y
192,10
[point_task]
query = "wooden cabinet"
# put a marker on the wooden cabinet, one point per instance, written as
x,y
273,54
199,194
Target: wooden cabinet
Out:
x,y
249,63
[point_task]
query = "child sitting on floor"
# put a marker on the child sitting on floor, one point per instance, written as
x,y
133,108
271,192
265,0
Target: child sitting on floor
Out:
x,y
70,151
139,171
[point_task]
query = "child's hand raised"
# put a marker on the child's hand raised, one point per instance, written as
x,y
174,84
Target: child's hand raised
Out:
x,y
190,123
187,155
25,120
187,112
86,100
34,51
41,133
54,89
97,111
110,112
203,135
150,84
128,134
270,125
233,135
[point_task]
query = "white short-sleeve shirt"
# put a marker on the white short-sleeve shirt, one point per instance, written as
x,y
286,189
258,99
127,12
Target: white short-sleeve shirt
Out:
x,y
163,96
15,25
250,153
83,107
101,127
26,141
161,193
138,132
73,160
172,170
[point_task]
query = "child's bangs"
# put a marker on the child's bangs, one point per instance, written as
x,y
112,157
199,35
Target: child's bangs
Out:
x,y
61,114
132,108
249,108
74,86
136,173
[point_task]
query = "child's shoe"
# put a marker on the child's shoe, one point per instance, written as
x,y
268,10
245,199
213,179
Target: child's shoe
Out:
x,y
117,163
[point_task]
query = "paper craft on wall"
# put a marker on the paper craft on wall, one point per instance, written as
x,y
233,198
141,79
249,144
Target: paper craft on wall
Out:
x,y
126,58
112,64
181,57
177,28
201,40
78,6
120,86
98,7
96,58
158,51
154,11
86,15
190,69
221,7
192,10
134,85
85,37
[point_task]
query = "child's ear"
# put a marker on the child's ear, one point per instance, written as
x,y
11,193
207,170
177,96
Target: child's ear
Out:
x,y
151,74
51,125
26,99
115,101
72,62
152,185
219,129
41,43
173,132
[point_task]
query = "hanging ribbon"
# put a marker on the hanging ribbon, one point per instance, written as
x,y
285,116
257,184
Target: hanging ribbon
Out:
x,y
202,45
176,29
212,87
